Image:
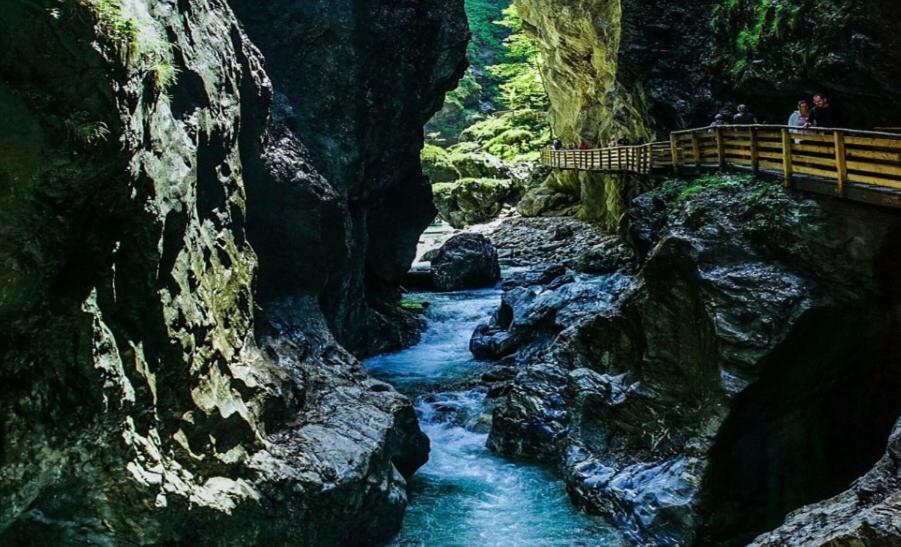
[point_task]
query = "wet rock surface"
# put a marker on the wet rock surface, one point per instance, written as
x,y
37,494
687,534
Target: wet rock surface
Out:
x,y
357,97
148,398
527,242
653,395
465,261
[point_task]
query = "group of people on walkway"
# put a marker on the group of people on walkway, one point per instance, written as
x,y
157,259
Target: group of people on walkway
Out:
x,y
815,113
821,114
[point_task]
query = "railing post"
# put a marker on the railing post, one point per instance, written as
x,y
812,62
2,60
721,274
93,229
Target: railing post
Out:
x,y
720,148
674,148
755,152
787,157
696,146
841,162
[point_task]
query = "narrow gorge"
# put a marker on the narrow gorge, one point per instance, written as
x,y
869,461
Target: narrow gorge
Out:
x,y
297,272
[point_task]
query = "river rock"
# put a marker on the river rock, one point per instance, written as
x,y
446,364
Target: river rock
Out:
x,y
466,261
473,200
651,404
543,201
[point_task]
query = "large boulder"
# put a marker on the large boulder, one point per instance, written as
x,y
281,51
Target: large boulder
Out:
x,y
473,164
709,384
466,261
436,164
473,200
544,201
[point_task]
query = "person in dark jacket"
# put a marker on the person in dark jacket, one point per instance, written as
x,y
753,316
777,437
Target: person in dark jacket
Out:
x,y
823,115
557,144
744,117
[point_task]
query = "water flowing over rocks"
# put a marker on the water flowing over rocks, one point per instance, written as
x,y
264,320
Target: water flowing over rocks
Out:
x,y
147,398
672,401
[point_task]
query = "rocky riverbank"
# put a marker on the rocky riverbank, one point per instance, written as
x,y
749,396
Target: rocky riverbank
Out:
x,y
672,397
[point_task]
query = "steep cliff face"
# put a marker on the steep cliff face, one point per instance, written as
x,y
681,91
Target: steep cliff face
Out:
x,y
750,368
642,68
369,77
137,404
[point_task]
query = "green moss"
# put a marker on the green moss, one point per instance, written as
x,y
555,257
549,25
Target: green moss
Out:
x,y
84,132
415,306
436,164
708,183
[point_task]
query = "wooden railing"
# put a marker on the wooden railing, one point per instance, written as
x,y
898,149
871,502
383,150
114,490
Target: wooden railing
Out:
x,y
862,161
638,159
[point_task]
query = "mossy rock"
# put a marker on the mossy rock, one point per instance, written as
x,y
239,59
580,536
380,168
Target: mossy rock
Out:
x,y
473,200
435,164
478,165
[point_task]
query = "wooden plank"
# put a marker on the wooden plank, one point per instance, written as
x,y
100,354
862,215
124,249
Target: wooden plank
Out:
x,y
814,171
786,157
874,181
841,166
878,168
814,148
696,148
872,142
856,153
813,160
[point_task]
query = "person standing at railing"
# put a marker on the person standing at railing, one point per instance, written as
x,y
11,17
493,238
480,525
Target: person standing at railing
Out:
x,y
583,146
623,141
719,120
823,115
557,144
801,116
744,116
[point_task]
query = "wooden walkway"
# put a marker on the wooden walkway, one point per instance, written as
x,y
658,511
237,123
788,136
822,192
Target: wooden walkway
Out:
x,y
858,165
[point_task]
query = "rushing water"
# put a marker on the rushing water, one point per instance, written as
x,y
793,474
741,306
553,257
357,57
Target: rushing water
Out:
x,y
465,495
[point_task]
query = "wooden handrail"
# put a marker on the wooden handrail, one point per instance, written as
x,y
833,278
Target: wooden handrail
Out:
x,y
864,160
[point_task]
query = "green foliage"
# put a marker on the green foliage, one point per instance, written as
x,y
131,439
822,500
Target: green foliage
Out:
x,y
84,132
765,35
139,49
122,30
709,183
512,136
415,306
506,75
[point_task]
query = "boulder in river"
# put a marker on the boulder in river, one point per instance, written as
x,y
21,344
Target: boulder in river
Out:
x,y
466,261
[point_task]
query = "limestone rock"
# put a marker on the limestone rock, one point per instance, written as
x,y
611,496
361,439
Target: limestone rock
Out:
x,y
667,408
147,398
544,201
359,79
472,201
465,261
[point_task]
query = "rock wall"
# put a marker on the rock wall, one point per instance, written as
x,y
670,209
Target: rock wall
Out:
x,y
642,68
369,77
750,367
143,401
